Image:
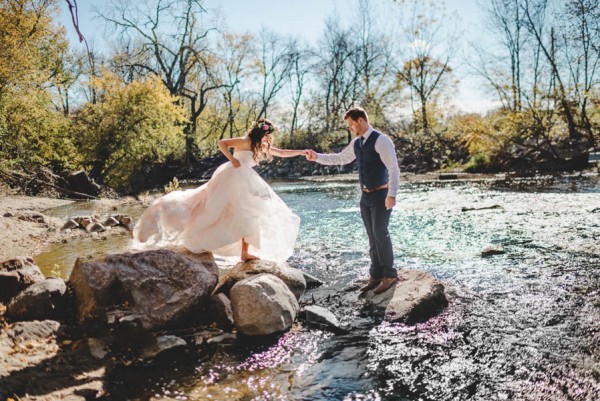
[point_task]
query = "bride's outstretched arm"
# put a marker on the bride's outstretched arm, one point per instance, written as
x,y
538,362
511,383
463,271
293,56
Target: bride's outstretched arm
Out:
x,y
285,152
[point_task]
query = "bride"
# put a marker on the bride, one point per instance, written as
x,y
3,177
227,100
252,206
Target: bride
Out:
x,y
235,213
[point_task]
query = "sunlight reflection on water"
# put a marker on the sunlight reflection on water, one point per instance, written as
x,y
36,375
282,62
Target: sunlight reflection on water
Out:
x,y
522,325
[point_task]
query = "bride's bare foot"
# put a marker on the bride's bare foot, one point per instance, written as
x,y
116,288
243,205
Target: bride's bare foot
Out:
x,y
247,257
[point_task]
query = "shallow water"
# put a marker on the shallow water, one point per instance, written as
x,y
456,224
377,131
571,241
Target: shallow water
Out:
x,y
522,325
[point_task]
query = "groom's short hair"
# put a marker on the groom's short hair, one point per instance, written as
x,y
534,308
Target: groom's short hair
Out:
x,y
355,113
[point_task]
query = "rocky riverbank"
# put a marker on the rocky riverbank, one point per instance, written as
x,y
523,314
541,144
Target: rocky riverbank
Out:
x,y
62,341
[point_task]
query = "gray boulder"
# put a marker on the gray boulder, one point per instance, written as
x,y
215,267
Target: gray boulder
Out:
x,y
293,278
160,287
263,305
46,299
16,274
319,316
416,297
220,311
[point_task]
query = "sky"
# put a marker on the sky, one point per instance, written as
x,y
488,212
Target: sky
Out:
x,y
305,20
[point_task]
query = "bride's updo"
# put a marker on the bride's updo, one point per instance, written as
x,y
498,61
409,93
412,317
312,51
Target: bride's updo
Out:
x,y
261,136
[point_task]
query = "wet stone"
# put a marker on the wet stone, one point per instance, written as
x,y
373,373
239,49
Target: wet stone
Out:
x,y
492,250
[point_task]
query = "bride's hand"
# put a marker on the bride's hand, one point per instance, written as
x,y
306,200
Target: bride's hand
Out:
x,y
235,162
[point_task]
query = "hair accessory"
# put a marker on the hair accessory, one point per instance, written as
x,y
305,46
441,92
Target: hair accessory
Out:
x,y
263,126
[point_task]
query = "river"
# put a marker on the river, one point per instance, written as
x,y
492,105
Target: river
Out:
x,y
523,325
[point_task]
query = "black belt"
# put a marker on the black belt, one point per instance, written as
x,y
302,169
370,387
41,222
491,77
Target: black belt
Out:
x,y
367,190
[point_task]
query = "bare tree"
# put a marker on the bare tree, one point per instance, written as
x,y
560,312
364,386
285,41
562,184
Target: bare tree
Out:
x,y
335,73
302,63
373,58
581,37
173,43
427,57
506,23
274,62
535,13
234,52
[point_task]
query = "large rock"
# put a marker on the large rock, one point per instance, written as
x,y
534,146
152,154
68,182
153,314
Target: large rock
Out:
x,y
16,274
96,288
417,296
79,181
294,279
263,305
43,300
161,287
26,344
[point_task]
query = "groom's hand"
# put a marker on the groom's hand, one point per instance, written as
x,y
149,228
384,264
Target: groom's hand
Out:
x,y
310,155
390,202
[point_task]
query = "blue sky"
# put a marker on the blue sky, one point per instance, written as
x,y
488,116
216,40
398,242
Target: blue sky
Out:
x,y
305,19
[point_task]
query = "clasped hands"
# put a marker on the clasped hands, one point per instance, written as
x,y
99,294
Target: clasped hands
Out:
x,y
310,154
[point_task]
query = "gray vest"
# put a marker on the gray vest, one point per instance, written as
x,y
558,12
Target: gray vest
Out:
x,y
372,173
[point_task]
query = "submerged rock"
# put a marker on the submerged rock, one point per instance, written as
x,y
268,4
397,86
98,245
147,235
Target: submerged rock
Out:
x,y
263,305
312,281
492,250
415,297
16,274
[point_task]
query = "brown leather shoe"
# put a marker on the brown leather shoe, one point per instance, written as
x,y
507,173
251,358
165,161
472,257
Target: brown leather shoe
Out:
x,y
385,284
373,282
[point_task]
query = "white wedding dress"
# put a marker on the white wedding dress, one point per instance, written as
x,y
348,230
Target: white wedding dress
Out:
x,y
236,203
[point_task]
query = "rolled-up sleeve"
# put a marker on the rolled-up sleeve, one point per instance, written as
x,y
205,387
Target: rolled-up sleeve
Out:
x,y
387,152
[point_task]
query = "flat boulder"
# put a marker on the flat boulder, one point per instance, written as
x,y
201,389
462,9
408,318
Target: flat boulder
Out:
x,y
262,305
321,317
25,344
293,278
415,297
16,274
43,300
160,287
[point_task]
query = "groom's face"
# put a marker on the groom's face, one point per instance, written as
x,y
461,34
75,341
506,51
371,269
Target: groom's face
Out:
x,y
354,125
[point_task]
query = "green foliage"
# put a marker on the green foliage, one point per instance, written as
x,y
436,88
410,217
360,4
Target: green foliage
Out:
x,y
32,132
130,127
478,162
172,186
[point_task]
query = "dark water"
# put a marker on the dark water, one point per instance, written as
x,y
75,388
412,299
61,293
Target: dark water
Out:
x,y
524,325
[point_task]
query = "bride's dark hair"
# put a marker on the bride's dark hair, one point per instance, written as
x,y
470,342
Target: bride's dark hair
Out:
x,y
262,128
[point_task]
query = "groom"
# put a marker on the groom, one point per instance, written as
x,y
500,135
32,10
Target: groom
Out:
x,y
379,178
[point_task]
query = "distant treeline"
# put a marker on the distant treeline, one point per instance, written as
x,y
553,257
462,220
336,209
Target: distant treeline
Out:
x,y
174,81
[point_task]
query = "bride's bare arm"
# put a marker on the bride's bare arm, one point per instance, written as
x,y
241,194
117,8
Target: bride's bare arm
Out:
x,y
236,143
285,152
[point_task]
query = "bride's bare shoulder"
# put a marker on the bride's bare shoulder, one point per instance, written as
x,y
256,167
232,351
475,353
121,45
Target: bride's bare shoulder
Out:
x,y
240,143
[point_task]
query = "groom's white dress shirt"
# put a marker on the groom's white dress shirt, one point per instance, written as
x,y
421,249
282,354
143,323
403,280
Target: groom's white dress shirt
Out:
x,y
384,147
